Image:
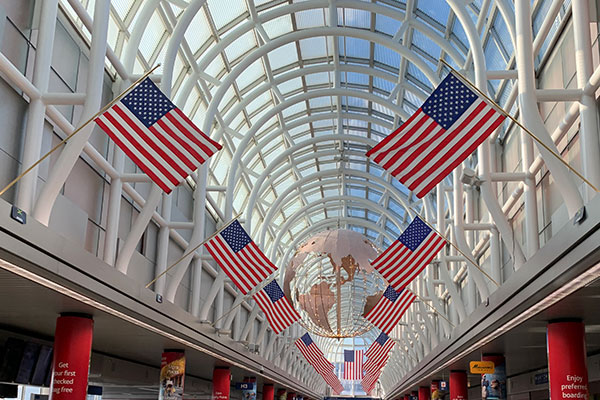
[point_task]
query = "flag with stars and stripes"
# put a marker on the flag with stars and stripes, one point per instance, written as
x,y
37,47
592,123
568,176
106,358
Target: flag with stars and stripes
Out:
x,y
378,353
317,360
158,137
369,381
241,259
276,306
390,308
447,128
353,364
404,260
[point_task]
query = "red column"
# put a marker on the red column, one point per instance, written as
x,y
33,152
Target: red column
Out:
x,y
458,385
221,383
567,369
423,393
71,363
268,391
407,397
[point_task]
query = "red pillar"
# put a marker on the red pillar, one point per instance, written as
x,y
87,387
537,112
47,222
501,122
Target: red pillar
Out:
x,y
458,385
567,369
268,391
407,397
221,383
423,393
71,363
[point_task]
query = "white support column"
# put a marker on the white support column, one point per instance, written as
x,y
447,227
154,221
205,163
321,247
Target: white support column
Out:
x,y
32,146
529,111
588,109
95,78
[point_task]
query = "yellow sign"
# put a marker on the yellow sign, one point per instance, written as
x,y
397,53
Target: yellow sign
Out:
x,y
482,367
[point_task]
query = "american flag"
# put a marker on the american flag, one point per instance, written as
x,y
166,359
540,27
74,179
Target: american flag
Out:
x,y
277,308
390,308
240,257
353,364
316,358
378,353
158,137
447,128
404,260
369,381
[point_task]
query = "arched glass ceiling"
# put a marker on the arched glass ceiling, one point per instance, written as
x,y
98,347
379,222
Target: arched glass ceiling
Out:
x,y
301,89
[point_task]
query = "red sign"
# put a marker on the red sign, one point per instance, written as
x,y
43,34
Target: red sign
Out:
x,y
71,364
221,383
458,385
567,361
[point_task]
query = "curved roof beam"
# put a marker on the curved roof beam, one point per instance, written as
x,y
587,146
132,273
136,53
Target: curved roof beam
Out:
x,y
276,162
300,212
306,120
255,93
305,34
234,173
281,199
236,33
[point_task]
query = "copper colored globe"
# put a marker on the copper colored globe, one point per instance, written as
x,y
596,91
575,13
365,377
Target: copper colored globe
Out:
x,y
332,283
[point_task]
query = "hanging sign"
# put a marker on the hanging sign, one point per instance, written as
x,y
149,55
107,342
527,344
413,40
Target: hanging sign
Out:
x,y
481,367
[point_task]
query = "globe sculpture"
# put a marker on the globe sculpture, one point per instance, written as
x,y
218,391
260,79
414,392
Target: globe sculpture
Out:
x,y
332,283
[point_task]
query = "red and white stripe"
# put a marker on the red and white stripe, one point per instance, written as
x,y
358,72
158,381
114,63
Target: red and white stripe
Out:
x,y
315,357
377,355
421,153
332,380
369,381
386,314
399,265
247,268
353,370
168,151
280,314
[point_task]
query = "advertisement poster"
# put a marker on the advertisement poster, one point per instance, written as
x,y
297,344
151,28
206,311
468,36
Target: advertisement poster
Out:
x,y
250,392
281,394
172,374
493,386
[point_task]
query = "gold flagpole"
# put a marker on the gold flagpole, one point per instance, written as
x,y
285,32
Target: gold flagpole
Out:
x,y
193,250
457,249
433,308
106,107
533,136
251,293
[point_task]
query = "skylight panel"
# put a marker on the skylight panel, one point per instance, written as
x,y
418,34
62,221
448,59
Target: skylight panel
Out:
x,y
387,25
387,56
354,18
198,32
152,35
282,56
290,85
223,13
317,79
436,9
278,26
355,47
251,74
311,18
122,7
241,46
313,48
